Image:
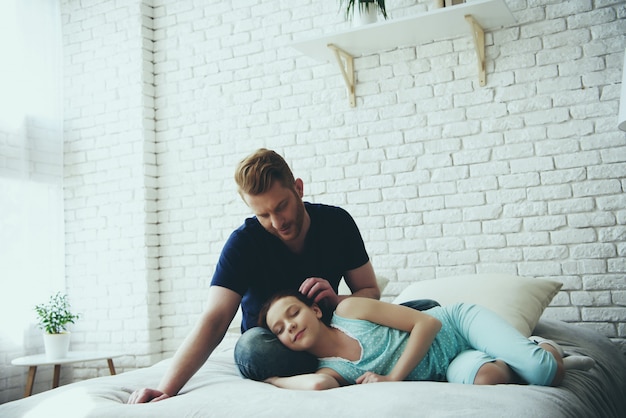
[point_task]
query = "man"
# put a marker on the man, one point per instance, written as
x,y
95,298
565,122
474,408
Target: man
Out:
x,y
288,244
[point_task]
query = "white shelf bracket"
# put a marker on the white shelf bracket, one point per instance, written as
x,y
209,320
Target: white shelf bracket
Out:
x,y
479,44
346,65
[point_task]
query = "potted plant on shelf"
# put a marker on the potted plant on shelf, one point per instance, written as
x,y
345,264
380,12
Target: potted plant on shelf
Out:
x,y
363,11
53,318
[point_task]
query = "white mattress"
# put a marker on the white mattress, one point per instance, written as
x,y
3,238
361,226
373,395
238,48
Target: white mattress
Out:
x,y
217,390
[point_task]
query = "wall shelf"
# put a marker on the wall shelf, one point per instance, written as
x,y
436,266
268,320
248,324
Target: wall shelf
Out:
x,y
473,18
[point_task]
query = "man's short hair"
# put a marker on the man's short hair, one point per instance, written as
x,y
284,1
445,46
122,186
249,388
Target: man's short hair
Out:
x,y
257,172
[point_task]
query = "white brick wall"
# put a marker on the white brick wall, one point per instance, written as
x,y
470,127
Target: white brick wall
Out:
x,y
522,176
110,187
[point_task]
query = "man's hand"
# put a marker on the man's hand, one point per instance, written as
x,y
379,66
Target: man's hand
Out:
x,y
147,395
319,289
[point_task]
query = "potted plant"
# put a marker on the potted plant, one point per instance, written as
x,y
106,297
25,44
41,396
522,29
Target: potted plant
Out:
x,y
364,11
53,318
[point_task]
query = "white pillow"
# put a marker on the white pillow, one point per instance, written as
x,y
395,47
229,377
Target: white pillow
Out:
x,y
519,300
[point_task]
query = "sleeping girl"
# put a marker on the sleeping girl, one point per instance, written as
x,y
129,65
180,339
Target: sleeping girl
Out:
x,y
371,341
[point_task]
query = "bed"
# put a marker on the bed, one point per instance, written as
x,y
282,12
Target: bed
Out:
x,y
217,390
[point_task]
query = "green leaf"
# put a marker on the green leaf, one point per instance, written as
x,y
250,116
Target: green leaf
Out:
x,y
54,316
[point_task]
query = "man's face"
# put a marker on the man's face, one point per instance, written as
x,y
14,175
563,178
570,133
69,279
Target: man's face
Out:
x,y
280,210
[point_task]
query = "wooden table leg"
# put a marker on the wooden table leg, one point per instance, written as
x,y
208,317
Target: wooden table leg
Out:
x,y
32,370
56,375
111,366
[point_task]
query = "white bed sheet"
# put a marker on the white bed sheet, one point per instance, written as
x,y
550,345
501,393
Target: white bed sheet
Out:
x,y
217,390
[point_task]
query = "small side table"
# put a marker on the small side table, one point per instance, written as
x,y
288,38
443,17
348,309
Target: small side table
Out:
x,y
72,357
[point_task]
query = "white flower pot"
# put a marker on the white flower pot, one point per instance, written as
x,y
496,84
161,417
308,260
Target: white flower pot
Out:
x,y
365,16
57,345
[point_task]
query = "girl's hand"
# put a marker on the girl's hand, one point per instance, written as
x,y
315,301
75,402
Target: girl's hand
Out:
x,y
369,377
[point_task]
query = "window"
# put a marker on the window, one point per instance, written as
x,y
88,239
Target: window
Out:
x,y
31,162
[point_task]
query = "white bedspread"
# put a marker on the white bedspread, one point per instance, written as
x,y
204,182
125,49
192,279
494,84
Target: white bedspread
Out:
x,y
217,390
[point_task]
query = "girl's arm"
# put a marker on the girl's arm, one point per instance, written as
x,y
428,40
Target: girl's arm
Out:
x,y
422,328
323,379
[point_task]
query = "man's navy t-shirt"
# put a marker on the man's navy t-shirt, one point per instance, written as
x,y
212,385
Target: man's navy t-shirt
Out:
x,y
257,264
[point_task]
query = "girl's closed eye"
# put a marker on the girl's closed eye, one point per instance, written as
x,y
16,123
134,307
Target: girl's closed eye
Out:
x,y
277,329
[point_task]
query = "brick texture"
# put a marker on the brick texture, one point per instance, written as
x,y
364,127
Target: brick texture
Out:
x,y
163,98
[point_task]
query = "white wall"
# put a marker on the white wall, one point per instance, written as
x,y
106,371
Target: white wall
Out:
x,y
110,177
111,251
523,176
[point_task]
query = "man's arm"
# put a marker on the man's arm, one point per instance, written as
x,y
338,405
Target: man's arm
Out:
x,y
362,282
197,347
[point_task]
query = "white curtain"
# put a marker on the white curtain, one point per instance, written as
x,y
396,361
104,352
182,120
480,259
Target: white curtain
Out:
x,y
31,163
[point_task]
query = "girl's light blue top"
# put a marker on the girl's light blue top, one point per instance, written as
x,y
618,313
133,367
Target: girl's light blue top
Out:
x,y
382,346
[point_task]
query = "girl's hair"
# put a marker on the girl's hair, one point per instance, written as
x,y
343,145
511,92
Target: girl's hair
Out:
x,y
279,295
257,172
